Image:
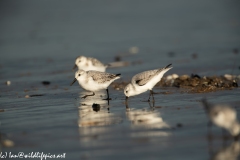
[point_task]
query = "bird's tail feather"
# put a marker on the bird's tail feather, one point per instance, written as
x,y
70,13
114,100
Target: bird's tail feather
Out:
x,y
168,66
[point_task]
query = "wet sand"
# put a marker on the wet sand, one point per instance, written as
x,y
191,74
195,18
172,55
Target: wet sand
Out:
x,y
41,112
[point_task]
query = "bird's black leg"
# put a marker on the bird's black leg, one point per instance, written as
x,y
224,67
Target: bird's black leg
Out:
x,y
152,95
126,102
209,126
210,147
224,137
126,105
151,105
107,96
88,95
149,96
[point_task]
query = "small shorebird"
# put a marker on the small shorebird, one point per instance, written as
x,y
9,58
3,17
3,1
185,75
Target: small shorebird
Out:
x,y
94,81
144,81
223,116
89,63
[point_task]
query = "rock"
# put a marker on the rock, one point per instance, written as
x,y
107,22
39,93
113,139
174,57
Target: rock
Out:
x,y
195,76
171,77
231,77
8,83
194,82
174,76
133,50
184,77
46,82
7,143
96,107
234,83
34,95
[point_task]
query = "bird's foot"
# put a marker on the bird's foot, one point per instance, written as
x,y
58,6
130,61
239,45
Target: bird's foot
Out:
x,y
84,97
107,99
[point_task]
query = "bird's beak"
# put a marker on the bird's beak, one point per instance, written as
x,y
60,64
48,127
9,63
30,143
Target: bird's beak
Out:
x,y
126,98
73,81
75,66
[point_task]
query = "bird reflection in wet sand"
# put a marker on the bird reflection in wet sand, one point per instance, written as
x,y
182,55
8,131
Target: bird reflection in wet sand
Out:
x,y
223,116
149,118
96,113
230,152
95,122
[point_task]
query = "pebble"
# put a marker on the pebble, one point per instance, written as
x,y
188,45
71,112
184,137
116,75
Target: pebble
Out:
x,y
46,82
184,77
7,143
8,83
172,77
96,107
175,76
194,84
231,77
33,95
133,50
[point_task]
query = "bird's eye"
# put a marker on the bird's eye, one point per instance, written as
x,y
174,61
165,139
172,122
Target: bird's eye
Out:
x,y
215,114
79,74
126,91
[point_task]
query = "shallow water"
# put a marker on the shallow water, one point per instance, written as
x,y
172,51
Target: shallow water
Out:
x,y
40,41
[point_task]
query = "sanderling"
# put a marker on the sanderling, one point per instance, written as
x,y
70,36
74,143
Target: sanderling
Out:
x,y
94,80
223,116
230,152
144,81
88,63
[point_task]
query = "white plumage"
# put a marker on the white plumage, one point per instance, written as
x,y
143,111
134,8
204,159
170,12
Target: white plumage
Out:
x,y
223,116
89,63
94,80
144,81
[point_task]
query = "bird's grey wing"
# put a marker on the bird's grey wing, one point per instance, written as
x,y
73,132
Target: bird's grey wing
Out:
x,y
100,77
95,62
144,77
